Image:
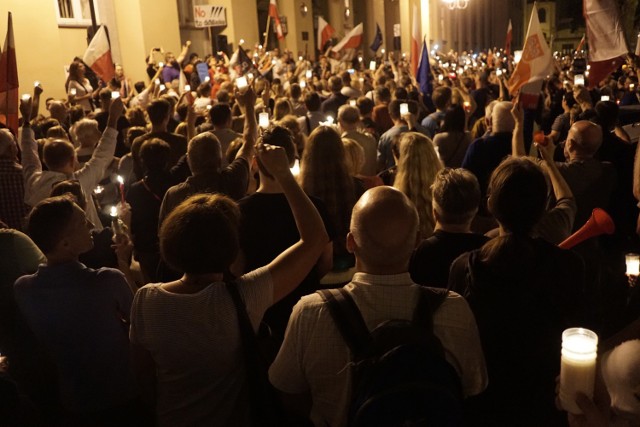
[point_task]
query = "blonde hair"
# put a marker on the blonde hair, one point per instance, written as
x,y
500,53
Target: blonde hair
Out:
x,y
418,166
354,156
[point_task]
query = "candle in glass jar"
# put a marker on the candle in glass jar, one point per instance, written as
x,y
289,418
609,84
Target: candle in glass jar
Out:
x,y
263,120
404,109
633,264
577,366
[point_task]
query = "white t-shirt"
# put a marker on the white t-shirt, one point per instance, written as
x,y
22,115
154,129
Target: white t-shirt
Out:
x,y
195,342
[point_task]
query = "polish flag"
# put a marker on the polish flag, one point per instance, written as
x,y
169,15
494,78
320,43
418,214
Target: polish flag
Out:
x,y
536,62
607,45
9,81
273,13
507,45
415,41
325,31
98,56
638,46
581,44
353,39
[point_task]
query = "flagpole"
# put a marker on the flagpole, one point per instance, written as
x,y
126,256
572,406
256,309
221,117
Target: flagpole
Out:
x,y
266,34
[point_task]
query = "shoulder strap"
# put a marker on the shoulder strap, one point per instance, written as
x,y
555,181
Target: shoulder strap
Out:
x,y
247,334
347,318
428,302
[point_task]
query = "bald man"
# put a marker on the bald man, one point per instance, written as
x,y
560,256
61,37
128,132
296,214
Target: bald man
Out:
x,y
310,367
12,207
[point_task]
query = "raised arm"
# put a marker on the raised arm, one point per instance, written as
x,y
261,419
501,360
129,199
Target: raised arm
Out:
x,y
561,189
291,266
517,142
247,101
30,160
183,52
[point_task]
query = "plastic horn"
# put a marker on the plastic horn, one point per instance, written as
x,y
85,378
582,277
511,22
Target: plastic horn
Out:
x,y
599,223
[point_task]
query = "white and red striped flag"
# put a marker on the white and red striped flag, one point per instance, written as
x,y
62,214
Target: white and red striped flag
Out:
x,y
325,31
536,61
415,41
273,13
507,44
353,39
581,44
98,56
9,81
638,46
607,46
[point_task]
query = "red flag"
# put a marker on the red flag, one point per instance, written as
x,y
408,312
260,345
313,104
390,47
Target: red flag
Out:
x,y
98,56
9,81
581,44
325,31
351,40
507,45
607,45
273,13
415,41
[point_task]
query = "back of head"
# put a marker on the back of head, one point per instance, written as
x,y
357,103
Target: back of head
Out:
x,y
441,97
135,116
201,235
70,187
279,136
281,108
365,105
223,97
132,133
456,196
8,147
607,114
383,94
48,220
584,139
295,91
335,84
621,374
354,155
454,119
204,153
57,154
384,226
220,115
84,130
517,195
158,111
312,101
348,115
400,93
501,118
155,155
105,96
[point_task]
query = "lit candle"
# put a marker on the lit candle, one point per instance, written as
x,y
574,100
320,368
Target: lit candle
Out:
x,y
604,98
162,87
241,82
121,181
299,58
263,120
160,64
303,84
115,94
309,74
250,76
295,170
352,102
73,91
187,88
207,78
633,264
382,51
36,83
241,42
113,211
329,120
26,97
158,82
577,366
539,138
99,189
467,106
404,109
372,65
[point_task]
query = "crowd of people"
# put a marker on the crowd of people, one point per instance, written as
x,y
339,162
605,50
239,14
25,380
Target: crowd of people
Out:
x,y
156,235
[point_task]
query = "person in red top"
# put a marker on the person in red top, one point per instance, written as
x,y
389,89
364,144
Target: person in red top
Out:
x,y
380,115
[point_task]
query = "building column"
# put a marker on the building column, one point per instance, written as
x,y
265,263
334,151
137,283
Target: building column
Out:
x,y
298,25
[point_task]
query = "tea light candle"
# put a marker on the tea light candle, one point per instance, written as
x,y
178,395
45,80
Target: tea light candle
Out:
x,y
539,138
263,120
404,109
467,106
633,264
577,366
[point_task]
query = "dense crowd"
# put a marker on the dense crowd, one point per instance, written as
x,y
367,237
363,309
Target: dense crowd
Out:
x,y
163,241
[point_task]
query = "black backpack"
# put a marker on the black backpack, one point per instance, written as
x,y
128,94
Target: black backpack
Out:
x,y
400,376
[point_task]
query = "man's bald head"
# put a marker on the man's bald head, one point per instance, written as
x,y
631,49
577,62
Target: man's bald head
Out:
x,y
583,141
384,229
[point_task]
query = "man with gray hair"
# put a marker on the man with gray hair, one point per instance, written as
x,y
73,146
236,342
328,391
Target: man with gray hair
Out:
x,y
456,197
311,365
349,119
485,154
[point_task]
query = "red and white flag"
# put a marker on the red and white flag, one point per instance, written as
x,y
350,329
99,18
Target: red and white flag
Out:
x,y
536,62
607,46
273,13
638,46
325,31
507,44
9,81
98,56
581,44
353,39
415,41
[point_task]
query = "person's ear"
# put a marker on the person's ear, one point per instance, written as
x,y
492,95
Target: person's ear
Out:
x,y
351,243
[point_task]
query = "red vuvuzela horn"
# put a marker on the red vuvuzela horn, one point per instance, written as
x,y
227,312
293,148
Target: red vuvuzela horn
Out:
x,y
599,223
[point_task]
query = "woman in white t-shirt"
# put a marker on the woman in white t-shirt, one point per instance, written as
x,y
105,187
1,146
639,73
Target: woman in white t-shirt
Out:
x,y
79,89
187,330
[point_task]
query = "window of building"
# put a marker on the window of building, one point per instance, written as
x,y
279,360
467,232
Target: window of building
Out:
x,y
542,15
74,13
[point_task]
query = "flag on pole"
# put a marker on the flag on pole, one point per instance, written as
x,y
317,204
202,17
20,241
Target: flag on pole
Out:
x,y
415,41
351,40
536,61
507,45
98,56
273,13
423,76
241,59
607,45
582,42
325,31
638,46
9,81
377,40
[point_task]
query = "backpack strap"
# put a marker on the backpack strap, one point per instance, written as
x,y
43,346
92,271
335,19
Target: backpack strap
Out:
x,y
428,302
347,317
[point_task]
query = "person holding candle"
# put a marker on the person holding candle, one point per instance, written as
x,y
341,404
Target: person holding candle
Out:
x,y
79,88
524,293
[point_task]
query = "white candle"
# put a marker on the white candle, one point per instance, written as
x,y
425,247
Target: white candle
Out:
x,y
329,120
162,87
633,264
26,97
372,65
604,98
404,109
158,81
303,84
73,91
187,88
160,64
263,120
250,76
36,83
295,170
308,74
353,102
115,94
577,367
113,211
241,82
